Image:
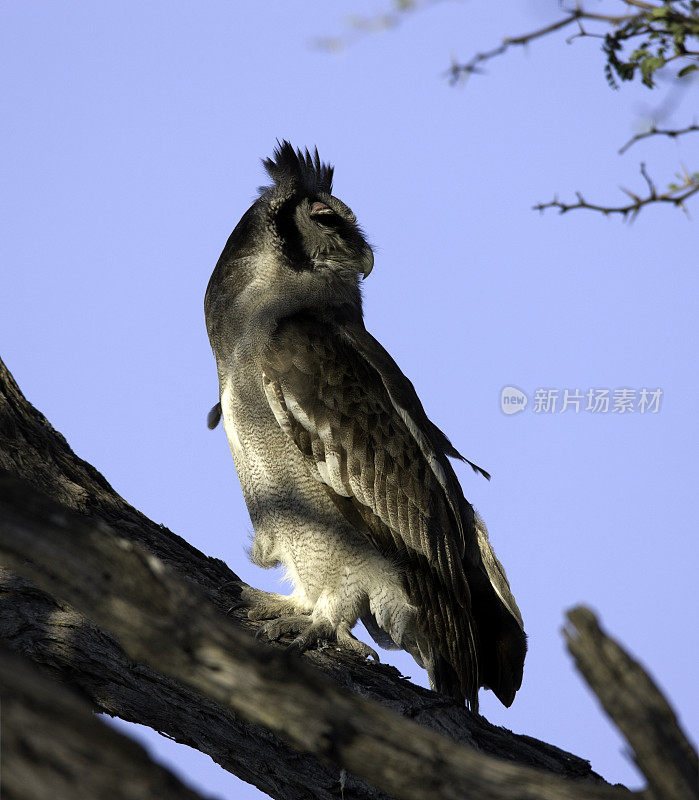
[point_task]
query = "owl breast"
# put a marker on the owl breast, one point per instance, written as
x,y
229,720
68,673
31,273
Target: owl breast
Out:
x,y
335,570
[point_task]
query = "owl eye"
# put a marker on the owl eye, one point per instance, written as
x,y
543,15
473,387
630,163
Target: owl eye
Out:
x,y
319,209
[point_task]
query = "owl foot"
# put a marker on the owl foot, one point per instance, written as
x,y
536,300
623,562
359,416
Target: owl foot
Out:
x,y
288,624
314,634
266,605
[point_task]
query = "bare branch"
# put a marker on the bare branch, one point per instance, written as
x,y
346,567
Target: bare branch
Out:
x,y
360,26
676,195
673,133
640,4
662,33
459,71
630,697
52,744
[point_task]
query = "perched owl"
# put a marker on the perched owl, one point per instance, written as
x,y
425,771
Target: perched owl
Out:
x,y
347,481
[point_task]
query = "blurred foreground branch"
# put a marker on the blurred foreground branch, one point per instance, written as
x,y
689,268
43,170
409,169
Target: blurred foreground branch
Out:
x,y
54,747
96,594
636,706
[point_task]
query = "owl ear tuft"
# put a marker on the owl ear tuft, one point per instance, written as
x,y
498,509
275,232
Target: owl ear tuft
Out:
x,y
294,168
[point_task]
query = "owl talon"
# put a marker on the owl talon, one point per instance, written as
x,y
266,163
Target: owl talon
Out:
x,y
297,647
315,635
360,649
347,640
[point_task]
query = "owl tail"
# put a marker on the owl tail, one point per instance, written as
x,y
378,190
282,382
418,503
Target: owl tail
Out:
x,y
445,680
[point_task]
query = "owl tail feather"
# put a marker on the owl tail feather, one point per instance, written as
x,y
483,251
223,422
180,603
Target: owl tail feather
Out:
x,y
213,417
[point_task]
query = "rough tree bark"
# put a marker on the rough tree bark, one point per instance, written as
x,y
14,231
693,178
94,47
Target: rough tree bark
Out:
x,y
52,744
141,641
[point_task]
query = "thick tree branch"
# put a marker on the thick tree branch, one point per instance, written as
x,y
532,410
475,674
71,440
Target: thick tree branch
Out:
x,y
294,727
162,620
74,650
52,744
635,704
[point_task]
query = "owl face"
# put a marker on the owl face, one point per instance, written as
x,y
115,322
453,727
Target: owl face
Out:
x,y
316,231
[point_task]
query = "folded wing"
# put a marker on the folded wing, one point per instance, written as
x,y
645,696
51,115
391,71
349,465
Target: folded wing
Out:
x,y
357,420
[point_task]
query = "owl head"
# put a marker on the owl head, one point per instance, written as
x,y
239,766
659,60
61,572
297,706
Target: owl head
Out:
x,y
297,220
314,229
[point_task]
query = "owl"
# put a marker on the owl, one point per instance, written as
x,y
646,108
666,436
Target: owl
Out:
x,y
347,481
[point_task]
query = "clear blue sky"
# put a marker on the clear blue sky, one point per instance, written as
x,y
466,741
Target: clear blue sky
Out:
x,y
131,143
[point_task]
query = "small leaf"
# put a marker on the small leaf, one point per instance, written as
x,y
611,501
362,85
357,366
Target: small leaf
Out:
x,y
686,70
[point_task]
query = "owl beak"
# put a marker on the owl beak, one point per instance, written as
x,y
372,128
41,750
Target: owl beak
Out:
x,y
368,264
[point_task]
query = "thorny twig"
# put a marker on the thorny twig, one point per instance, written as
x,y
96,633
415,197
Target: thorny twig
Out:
x,y
460,71
673,133
664,31
676,194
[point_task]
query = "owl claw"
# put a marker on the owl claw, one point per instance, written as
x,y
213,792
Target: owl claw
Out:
x,y
298,646
347,640
360,648
314,634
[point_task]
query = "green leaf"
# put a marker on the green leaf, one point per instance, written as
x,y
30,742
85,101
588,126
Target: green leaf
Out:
x,y
649,66
686,70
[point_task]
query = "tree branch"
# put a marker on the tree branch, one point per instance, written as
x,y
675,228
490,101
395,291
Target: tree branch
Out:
x,y
52,743
74,650
672,133
161,620
664,31
458,72
675,194
295,727
634,703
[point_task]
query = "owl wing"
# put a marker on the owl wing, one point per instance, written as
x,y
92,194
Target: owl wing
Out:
x,y
403,395
366,438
